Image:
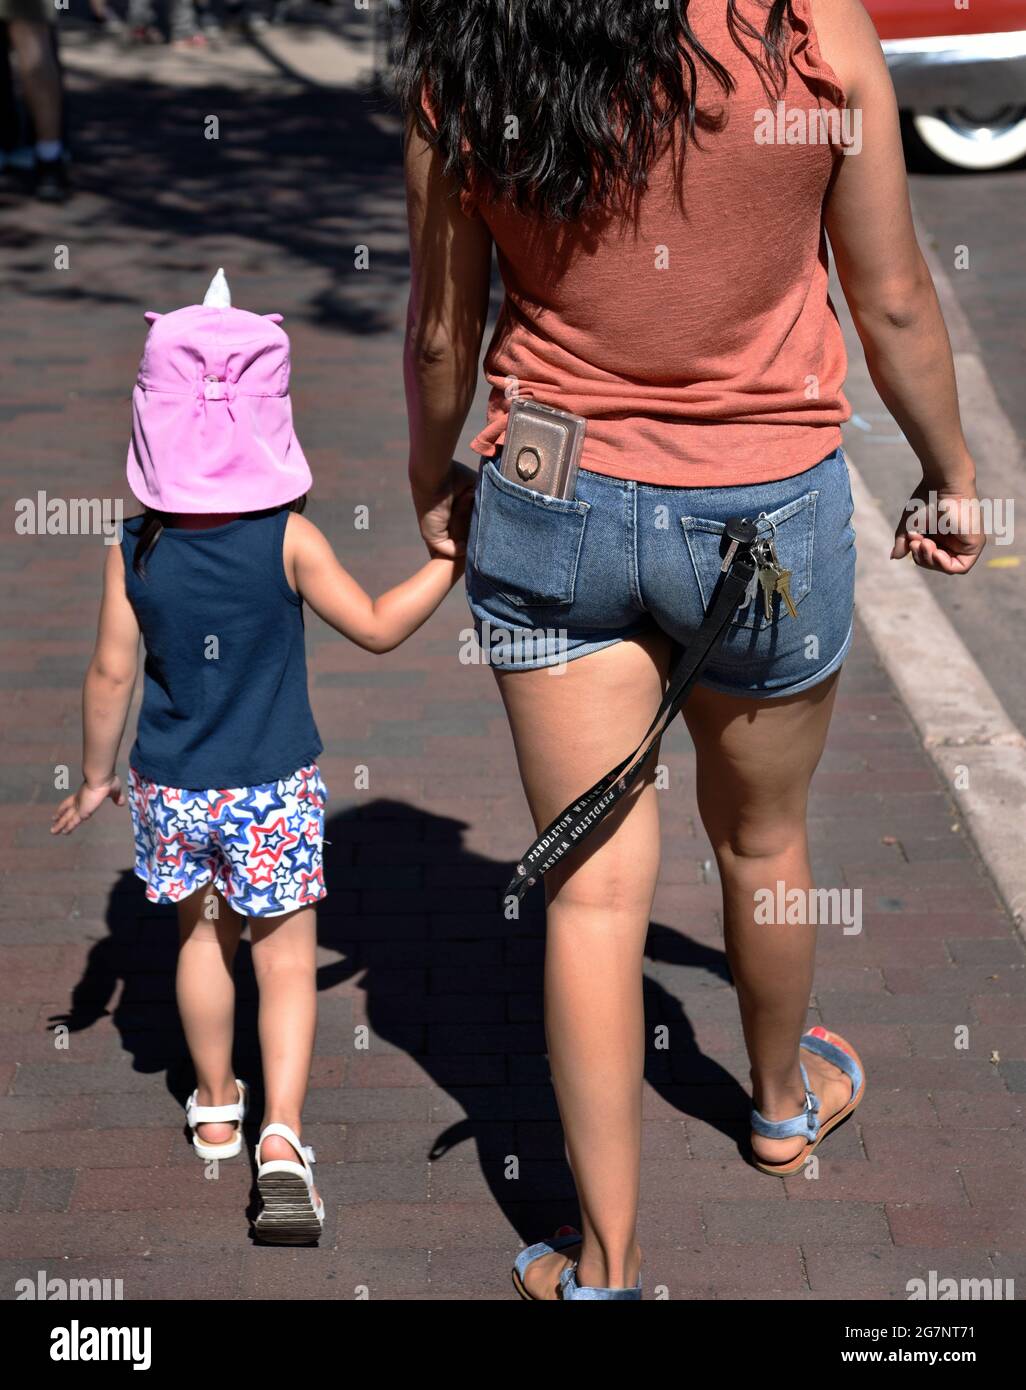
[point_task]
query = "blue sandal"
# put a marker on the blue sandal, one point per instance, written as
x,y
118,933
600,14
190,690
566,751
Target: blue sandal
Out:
x,y
831,1048
568,1285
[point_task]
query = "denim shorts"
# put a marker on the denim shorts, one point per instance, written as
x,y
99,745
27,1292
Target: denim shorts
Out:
x,y
551,579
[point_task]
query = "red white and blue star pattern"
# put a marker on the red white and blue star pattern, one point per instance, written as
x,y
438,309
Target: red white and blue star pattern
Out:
x,y
261,847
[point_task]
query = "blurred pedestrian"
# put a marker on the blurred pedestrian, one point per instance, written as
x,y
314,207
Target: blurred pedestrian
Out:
x,y
28,24
9,123
105,17
243,16
183,28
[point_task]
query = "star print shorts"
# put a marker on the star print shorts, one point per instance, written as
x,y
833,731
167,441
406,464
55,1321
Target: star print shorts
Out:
x,y
261,847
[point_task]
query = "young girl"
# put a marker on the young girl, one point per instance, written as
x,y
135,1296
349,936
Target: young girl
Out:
x,y
226,799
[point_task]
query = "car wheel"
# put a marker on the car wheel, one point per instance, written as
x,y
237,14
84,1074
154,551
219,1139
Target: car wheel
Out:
x,y
973,141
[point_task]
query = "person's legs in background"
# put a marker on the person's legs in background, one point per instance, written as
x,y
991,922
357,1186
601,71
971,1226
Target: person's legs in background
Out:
x,y
183,24
142,22
755,761
39,75
569,728
9,126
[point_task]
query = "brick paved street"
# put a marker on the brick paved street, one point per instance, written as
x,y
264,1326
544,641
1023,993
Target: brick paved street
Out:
x,y
413,1131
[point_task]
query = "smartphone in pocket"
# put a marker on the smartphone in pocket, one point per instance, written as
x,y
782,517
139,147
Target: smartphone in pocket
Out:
x,y
542,450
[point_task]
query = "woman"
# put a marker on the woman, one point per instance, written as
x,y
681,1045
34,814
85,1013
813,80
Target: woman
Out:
x,y
660,184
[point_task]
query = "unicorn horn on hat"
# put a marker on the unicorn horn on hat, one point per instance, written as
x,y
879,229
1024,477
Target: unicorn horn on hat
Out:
x,y
218,295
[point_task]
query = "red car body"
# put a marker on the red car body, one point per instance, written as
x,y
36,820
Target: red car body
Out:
x,y
946,56
913,19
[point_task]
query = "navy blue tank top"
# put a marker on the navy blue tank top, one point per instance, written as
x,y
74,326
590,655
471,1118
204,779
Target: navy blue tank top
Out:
x,y
225,700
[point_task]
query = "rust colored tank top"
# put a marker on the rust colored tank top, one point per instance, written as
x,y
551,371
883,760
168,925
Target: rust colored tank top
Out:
x,y
699,341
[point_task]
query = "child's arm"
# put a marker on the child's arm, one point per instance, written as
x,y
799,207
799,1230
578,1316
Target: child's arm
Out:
x,y
376,624
106,695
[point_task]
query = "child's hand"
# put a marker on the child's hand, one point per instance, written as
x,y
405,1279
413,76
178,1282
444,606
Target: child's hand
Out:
x,y
74,809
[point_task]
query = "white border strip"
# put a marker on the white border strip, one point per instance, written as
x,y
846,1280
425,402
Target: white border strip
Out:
x,y
962,47
977,749
962,722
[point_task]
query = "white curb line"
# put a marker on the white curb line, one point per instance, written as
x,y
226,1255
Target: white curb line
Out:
x,y
964,727
978,750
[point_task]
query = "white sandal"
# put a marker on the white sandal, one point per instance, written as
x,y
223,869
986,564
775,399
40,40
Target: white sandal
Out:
x,y
290,1215
196,1115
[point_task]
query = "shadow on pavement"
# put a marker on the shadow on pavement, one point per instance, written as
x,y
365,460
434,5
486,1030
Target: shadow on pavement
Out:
x,y
457,991
301,173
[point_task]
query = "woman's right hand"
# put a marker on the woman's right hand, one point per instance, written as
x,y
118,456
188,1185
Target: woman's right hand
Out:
x,y
941,529
443,513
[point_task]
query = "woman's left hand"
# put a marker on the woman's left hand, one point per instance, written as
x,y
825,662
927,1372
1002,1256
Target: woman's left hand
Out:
x,y
941,529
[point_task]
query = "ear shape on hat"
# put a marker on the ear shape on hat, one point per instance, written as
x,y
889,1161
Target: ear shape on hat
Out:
x,y
218,295
275,318
151,316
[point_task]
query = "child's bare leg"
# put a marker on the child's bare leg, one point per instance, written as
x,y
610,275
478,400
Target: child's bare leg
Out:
x,y
284,961
209,933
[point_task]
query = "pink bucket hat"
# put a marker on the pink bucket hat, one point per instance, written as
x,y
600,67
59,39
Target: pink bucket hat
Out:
x,y
211,415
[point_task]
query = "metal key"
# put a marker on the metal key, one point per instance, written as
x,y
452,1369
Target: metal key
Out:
x,y
783,584
739,531
768,582
764,574
784,590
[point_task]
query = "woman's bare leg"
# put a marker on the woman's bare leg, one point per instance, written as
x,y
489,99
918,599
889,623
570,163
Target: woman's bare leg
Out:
x,y
568,730
755,761
209,933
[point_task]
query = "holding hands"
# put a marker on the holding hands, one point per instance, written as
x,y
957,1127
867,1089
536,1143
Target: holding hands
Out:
x,y
444,512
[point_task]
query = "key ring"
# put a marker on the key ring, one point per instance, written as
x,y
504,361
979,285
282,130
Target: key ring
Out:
x,y
771,524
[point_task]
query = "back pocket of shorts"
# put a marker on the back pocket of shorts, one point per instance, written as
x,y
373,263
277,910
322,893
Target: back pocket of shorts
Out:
x,y
792,529
528,545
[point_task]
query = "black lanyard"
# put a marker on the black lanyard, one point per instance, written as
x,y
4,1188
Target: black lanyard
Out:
x,y
576,821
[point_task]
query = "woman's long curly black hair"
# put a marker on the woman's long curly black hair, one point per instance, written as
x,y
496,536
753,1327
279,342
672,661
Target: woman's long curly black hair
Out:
x,y
594,87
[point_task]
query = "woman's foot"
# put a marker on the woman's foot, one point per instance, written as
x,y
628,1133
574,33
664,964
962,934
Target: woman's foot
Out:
x,y
541,1278
828,1083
